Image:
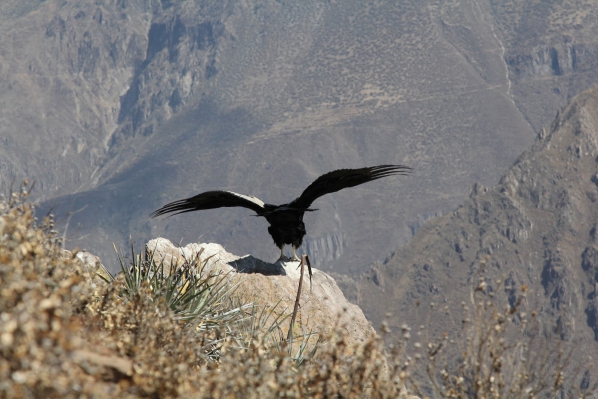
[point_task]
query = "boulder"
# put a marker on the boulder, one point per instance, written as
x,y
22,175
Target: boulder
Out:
x,y
323,307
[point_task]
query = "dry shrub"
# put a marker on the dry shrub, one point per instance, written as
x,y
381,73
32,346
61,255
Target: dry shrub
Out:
x,y
37,286
502,351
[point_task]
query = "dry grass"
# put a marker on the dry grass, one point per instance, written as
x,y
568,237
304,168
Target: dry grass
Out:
x,y
65,333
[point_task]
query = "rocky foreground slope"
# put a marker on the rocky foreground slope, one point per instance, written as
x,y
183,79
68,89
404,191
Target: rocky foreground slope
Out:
x,y
537,228
67,333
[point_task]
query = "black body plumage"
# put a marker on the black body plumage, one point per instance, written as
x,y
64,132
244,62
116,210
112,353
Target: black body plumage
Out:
x,y
286,221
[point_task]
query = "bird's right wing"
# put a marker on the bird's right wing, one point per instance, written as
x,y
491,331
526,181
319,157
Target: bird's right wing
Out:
x,y
211,200
343,178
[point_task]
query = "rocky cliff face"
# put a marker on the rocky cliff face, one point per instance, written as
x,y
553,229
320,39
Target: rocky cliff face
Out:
x,y
64,68
536,228
116,107
564,58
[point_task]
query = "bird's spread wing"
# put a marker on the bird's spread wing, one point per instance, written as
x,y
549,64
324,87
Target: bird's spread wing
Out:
x,y
211,200
343,178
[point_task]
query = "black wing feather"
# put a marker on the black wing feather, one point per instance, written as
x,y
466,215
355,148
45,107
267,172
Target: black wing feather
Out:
x,y
211,200
344,178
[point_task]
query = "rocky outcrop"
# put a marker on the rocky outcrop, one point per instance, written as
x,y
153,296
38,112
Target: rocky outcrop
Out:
x,y
555,60
323,307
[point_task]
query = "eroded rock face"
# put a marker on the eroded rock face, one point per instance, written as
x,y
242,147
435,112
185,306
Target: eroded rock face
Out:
x,y
323,306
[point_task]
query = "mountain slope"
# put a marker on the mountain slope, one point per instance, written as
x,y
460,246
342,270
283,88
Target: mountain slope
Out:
x,y
117,107
64,67
538,227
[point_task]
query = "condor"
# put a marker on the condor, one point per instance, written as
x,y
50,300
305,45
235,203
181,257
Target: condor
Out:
x,y
286,220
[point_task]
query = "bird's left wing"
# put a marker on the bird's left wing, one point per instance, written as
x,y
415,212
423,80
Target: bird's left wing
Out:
x,y
211,200
344,178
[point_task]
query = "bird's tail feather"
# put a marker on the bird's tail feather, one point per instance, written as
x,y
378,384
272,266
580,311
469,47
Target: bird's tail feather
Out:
x,y
182,206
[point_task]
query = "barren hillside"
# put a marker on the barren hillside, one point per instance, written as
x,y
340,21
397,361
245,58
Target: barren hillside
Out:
x,y
537,228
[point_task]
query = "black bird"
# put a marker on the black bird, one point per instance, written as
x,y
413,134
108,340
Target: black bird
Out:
x,y
286,220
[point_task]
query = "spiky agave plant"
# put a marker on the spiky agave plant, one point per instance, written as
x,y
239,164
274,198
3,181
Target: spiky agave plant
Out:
x,y
195,295
264,326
